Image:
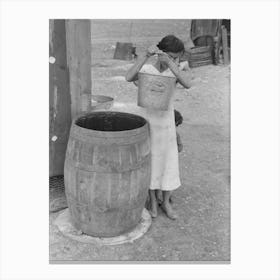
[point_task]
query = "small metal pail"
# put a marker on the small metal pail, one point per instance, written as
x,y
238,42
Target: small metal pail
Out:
x,y
155,91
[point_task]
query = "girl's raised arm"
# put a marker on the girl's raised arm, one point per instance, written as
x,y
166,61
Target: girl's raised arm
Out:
x,y
183,77
131,74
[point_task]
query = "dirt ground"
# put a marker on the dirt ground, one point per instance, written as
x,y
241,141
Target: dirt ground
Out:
x,y
202,231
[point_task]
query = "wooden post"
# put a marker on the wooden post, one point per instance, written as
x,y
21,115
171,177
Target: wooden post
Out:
x,y
59,97
225,45
78,36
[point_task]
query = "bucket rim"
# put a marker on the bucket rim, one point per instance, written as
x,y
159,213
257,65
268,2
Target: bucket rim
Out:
x,y
148,74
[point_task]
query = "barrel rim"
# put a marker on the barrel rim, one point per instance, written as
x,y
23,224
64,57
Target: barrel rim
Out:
x,y
109,134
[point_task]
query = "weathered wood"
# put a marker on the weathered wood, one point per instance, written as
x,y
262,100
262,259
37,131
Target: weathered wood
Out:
x,y
78,35
217,43
225,45
59,97
200,56
107,173
124,51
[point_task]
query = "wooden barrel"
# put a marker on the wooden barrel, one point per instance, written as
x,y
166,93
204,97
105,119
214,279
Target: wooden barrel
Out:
x,y
107,172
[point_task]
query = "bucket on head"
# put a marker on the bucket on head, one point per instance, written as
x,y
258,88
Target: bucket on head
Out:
x,y
155,91
107,172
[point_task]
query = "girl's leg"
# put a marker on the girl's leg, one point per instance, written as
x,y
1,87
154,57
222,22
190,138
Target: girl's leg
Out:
x,y
153,203
159,196
166,206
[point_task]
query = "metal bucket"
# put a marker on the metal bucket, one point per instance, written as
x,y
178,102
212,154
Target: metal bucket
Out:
x,y
155,91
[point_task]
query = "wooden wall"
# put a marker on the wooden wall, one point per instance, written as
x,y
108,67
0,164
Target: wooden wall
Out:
x,y
78,36
69,83
59,97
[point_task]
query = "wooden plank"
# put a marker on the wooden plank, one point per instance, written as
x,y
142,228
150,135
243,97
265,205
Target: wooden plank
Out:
x,y
59,97
78,37
225,45
217,45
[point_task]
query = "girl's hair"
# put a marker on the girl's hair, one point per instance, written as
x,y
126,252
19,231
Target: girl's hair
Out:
x,y
170,43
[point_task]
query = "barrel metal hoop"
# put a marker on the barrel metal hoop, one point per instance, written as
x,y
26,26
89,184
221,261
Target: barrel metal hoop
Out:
x,y
108,141
99,169
72,199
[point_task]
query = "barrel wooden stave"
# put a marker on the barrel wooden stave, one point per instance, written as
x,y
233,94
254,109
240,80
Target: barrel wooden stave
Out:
x,y
107,205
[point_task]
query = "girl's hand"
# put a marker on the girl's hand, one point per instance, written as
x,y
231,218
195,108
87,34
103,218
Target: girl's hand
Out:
x,y
163,57
184,66
152,50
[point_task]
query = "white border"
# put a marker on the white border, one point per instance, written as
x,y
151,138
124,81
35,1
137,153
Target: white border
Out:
x,y
255,138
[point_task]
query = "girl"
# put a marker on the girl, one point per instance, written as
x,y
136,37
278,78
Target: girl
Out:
x,y
165,167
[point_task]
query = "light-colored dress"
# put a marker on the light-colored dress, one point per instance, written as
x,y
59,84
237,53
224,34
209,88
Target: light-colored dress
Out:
x,y
165,165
